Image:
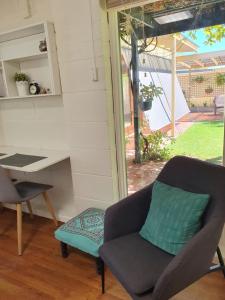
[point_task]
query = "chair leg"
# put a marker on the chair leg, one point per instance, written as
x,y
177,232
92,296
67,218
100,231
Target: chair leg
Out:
x,y
101,271
220,257
64,250
30,209
1,207
19,228
50,208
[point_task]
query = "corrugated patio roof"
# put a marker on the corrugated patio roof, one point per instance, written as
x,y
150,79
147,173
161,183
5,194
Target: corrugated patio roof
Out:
x,y
201,61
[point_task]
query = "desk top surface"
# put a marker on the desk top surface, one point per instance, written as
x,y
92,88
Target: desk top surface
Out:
x,y
12,155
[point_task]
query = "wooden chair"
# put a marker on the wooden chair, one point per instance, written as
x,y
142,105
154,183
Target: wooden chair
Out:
x,y
23,192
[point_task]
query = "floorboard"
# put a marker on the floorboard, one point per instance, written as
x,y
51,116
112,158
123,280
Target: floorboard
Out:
x,y
41,273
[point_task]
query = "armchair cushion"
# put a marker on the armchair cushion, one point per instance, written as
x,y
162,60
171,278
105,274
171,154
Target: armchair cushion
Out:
x,y
174,217
135,262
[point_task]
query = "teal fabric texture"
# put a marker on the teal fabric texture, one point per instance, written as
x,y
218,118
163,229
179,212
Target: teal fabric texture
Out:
x,y
84,232
174,217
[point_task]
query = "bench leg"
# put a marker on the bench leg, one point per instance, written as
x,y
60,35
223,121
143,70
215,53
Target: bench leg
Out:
x,y
64,250
101,271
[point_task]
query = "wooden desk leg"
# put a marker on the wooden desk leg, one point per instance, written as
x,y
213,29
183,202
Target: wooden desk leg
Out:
x,y
50,207
19,228
30,209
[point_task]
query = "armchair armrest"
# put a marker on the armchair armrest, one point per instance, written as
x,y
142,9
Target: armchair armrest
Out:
x,y
191,263
128,215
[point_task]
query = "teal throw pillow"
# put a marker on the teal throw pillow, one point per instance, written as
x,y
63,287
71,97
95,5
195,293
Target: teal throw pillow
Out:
x,y
174,217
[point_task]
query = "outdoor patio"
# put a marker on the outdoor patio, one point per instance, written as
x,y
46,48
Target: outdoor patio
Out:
x,y
140,175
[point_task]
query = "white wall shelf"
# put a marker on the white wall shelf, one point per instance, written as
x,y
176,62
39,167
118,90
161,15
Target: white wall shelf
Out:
x,y
19,52
24,97
29,57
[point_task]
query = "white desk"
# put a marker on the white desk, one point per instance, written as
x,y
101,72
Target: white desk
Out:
x,y
52,157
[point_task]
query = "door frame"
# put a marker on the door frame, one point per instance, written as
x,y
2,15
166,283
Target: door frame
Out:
x,y
118,102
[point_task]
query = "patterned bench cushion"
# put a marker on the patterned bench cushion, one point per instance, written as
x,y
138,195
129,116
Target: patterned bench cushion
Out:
x,y
84,232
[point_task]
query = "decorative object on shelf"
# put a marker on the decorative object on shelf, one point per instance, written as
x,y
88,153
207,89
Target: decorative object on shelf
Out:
x,y
147,94
220,79
45,91
43,46
22,84
199,79
34,88
209,90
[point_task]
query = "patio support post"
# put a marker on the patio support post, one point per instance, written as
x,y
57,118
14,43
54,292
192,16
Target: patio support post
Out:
x,y
173,88
135,89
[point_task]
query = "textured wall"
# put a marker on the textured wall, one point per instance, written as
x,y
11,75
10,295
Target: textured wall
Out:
x,y
81,119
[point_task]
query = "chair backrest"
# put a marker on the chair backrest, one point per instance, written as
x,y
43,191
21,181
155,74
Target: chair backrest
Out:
x,y
198,177
219,100
8,192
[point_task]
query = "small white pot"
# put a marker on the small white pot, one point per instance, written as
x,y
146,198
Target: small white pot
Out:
x,y
22,88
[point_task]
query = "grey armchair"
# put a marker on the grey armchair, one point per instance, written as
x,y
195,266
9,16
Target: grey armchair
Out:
x,y
147,272
19,193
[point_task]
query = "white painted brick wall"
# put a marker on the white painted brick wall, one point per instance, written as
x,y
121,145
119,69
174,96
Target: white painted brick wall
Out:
x,y
80,120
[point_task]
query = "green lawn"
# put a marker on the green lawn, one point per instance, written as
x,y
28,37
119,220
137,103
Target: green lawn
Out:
x,y
203,140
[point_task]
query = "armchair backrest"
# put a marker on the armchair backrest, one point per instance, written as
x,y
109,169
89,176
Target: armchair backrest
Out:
x,y
195,258
197,176
8,192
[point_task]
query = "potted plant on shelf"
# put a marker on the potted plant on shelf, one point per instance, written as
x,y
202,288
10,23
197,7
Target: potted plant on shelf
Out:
x,y
220,79
209,90
22,84
147,94
199,79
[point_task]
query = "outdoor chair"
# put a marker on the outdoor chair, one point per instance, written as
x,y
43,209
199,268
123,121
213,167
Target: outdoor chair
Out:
x,y
218,102
19,193
146,271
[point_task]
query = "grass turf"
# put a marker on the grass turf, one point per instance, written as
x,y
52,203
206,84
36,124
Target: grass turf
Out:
x,y
203,140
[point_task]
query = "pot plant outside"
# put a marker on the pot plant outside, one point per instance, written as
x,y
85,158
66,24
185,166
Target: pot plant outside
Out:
x,y
209,90
147,94
199,79
22,84
220,79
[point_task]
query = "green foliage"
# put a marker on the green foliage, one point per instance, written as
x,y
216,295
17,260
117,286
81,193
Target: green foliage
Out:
x,y
148,92
220,79
205,104
154,147
199,79
21,77
203,140
212,34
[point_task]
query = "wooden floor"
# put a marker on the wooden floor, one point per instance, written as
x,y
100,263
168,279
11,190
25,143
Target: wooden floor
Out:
x,y
41,273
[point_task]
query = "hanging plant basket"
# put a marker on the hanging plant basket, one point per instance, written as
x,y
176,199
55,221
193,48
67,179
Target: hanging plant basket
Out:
x,y
209,90
199,79
146,105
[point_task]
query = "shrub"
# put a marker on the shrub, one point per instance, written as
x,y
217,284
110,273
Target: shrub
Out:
x,y
154,147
